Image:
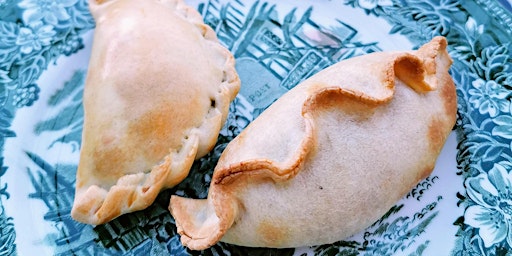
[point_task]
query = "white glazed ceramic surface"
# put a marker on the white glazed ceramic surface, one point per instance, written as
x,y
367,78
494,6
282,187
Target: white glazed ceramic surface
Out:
x,y
463,208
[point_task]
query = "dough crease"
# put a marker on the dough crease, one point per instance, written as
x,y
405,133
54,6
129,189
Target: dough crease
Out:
x,y
329,157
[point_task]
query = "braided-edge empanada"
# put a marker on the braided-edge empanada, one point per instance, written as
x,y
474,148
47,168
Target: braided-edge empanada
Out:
x,y
157,93
329,157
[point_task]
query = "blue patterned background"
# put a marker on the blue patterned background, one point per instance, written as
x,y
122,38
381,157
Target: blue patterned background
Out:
x,y
285,45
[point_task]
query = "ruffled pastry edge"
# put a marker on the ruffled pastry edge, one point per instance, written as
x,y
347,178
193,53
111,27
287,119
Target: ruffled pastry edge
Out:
x,y
97,205
220,210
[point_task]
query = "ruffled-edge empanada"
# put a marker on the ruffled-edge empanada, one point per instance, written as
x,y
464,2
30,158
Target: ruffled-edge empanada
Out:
x,y
157,93
329,157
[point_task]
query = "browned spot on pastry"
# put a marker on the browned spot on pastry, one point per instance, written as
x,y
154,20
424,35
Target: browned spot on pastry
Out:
x,y
350,104
203,29
425,172
151,132
435,135
109,163
146,141
109,214
271,233
411,71
449,97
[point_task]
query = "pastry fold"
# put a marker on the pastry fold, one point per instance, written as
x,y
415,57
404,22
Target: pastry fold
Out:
x,y
157,93
331,156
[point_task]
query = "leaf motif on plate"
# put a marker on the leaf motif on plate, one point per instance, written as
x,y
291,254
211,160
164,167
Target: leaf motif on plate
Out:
x,y
8,48
493,63
370,6
418,191
420,20
7,233
26,49
503,127
57,192
288,49
41,32
486,141
70,117
482,72
492,213
5,122
387,236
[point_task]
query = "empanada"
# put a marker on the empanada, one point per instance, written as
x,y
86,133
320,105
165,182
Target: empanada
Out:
x,y
329,157
156,95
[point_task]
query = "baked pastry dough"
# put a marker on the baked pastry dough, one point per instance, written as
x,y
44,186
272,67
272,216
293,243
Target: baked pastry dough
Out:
x,y
157,93
329,157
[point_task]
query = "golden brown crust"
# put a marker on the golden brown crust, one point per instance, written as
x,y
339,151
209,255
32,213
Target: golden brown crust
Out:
x,y
271,232
407,67
265,161
148,110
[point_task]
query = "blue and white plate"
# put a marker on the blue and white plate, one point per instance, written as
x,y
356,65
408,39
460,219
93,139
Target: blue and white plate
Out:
x,y
463,208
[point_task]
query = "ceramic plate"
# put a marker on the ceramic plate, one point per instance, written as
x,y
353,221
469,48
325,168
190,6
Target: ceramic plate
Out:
x,y
463,208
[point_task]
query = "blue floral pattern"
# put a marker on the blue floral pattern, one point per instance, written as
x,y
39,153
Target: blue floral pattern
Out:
x,y
35,33
49,11
371,4
34,37
40,31
489,97
492,213
482,71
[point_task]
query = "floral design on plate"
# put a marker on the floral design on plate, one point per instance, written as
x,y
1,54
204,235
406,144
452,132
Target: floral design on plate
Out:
x,y
285,44
492,212
481,48
32,35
